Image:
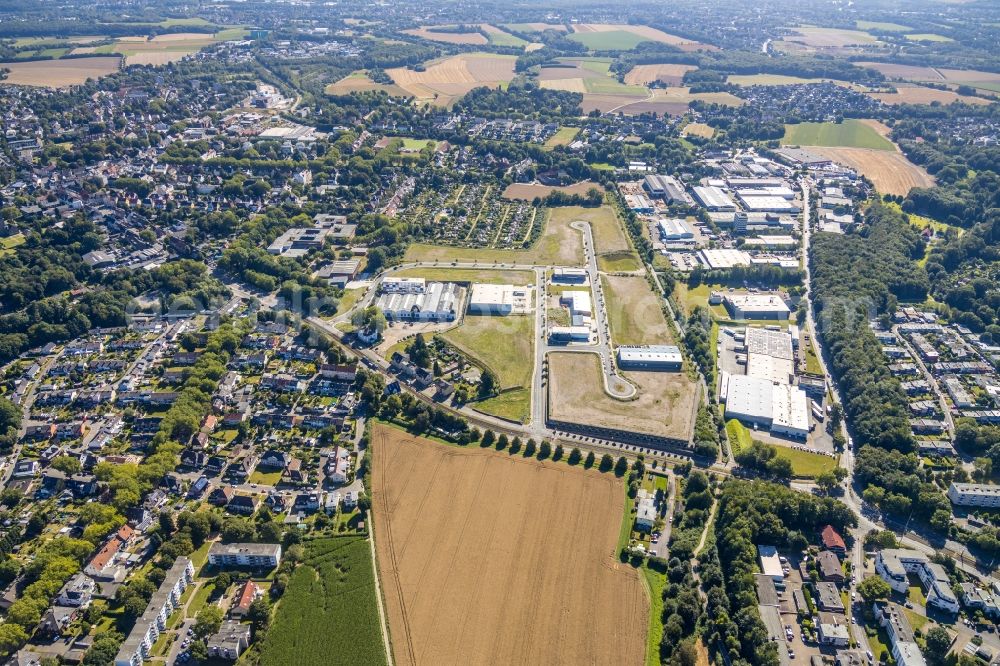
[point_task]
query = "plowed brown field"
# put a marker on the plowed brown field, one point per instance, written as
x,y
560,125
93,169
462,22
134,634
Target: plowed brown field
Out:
x,y
488,558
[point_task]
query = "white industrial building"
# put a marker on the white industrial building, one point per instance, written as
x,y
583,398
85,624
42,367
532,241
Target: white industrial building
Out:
x,y
403,285
767,204
666,188
498,299
569,334
756,306
780,408
770,368
437,302
639,203
771,242
723,258
650,357
974,494
770,563
714,198
569,275
675,230
578,302
782,191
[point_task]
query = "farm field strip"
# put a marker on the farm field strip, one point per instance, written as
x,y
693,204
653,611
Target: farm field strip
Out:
x,y
850,133
59,73
472,548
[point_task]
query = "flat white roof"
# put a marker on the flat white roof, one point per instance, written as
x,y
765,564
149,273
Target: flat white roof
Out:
x,y
724,258
749,397
771,368
758,302
790,409
650,354
770,564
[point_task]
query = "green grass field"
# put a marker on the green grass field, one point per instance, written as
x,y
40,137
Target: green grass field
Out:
x,y
349,299
502,38
503,344
613,40
416,145
8,244
928,37
328,615
805,464
881,26
656,582
265,478
563,136
849,134
514,405
739,436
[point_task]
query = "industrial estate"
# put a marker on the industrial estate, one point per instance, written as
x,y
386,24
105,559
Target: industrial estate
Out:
x,y
484,333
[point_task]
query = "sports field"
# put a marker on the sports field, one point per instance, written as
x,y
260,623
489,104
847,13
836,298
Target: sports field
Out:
x,y
849,134
636,316
481,555
559,245
59,73
664,406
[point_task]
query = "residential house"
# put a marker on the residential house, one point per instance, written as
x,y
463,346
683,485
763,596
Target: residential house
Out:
x,y
246,594
229,642
829,567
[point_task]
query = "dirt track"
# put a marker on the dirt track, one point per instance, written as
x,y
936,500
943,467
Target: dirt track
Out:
x,y
488,558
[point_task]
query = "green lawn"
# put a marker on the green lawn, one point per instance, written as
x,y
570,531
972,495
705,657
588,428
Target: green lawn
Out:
x,y
928,37
503,38
416,144
8,244
812,360
563,136
806,464
656,582
200,556
328,615
613,40
503,344
200,599
514,405
349,299
265,478
916,620
739,436
849,134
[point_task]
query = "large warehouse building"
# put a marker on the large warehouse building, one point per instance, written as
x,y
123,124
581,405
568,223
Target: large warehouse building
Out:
x,y
650,357
438,302
666,188
780,408
498,299
675,230
714,198
756,306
